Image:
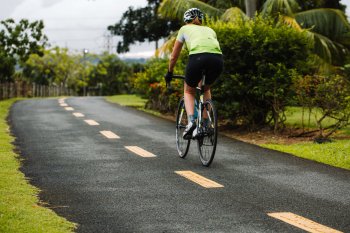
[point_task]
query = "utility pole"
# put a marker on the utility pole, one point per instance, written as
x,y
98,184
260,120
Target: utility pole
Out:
x,y
108,42
85,52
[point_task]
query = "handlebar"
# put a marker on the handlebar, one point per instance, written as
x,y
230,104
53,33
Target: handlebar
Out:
x,y
176,76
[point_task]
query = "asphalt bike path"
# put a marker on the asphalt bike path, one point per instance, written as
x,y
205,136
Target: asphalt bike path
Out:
x,y
120,172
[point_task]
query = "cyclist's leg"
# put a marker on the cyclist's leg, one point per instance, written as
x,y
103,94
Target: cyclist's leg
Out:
x,y
207,96
193,76
189,97
189,94
214,66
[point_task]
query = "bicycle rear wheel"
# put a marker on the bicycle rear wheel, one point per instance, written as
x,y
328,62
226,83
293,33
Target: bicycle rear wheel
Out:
x,y
182,145
208,134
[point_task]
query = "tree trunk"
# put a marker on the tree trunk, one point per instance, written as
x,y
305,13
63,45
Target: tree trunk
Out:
x,y
250,6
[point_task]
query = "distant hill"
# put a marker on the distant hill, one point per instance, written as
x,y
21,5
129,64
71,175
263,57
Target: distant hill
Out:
x,y
135,60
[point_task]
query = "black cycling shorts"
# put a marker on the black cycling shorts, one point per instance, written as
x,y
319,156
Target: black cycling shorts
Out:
x,y
210,63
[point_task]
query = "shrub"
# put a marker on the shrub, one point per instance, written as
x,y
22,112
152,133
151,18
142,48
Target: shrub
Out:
x,y
150,83
331,95
262,58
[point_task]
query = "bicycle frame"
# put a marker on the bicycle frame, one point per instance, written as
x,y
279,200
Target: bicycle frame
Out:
x,y
200,102
200,99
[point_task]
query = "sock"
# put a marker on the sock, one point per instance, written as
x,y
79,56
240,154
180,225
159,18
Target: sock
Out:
x,y
191,118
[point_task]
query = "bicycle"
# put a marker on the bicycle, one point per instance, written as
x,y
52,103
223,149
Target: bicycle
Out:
x,y
207,131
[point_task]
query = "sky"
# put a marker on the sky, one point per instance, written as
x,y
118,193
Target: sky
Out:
x,y
77,24
81,24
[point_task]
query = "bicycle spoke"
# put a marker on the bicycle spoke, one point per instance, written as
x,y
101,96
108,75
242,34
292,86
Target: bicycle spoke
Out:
x,y
208,137
182,145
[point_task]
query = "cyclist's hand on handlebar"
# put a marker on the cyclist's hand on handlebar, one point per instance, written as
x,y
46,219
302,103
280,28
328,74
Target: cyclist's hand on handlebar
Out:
x,y
168,77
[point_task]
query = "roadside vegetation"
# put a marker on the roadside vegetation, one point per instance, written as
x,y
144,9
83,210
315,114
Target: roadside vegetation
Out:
x,y
20,208
336,154
287,75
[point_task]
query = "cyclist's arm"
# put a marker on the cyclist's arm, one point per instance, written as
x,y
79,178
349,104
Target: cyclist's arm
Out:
x,y
175,55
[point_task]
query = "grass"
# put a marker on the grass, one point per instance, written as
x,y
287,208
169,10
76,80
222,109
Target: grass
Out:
x,y
134,101
336,153
128,100
20,208
294,116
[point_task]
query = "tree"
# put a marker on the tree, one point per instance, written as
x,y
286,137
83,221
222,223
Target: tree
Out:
x,y
138,25
327,28
313,4
111,75
17,42
55,67
250,6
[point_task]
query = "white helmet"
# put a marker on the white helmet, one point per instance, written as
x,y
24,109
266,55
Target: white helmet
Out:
x,y
193,13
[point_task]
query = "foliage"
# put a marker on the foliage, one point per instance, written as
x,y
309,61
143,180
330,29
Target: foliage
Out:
x,y
175,9
313,4
141,24
55,67
111,75
150,84
261,60
331,95
328,29
303,4
17,42
101,75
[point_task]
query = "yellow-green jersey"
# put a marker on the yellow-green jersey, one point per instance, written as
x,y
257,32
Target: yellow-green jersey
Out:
x,y
199,39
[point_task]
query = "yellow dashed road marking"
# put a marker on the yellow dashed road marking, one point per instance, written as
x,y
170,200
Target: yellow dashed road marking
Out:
x,y
91,122
69,108
303,223
64,105
109,134
78,114
202,181
141,152
61,101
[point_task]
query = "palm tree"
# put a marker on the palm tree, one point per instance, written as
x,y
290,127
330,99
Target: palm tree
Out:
x,y
250,6
327,28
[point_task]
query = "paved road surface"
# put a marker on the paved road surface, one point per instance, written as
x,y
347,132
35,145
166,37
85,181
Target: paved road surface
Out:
x,y
104,187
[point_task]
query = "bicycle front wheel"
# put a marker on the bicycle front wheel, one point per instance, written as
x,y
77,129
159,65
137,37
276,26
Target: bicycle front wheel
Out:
x,y
208,134
182,145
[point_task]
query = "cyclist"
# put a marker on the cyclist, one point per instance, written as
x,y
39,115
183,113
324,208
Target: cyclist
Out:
x,y
204,55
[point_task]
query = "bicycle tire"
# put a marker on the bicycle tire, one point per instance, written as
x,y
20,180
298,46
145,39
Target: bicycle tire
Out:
x,y
207,139
182,145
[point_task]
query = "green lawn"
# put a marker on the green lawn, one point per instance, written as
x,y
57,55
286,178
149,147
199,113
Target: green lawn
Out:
x,y
20,209
335,153
294,116
128,100
134,101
